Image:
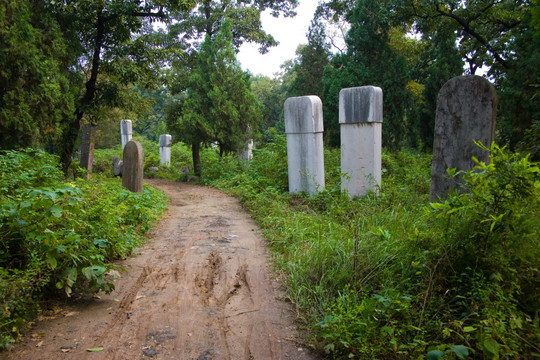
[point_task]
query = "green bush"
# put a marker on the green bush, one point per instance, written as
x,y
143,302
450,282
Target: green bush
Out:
x,y
61,236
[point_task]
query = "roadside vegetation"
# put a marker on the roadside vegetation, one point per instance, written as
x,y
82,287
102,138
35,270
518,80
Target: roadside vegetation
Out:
x,y
59,236
393,276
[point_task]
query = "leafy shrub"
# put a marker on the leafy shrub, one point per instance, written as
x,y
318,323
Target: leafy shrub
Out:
x,y
61,236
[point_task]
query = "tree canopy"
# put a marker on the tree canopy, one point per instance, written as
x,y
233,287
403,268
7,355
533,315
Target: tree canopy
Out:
x,y
35,92
219,105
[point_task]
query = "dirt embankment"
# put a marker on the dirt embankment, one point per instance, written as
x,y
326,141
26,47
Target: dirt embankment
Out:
x,y
199,289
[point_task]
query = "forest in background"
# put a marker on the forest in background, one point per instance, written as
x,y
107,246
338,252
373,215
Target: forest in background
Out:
x,y
67,64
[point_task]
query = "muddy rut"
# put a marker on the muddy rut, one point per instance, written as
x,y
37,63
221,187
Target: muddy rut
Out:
x,y
199,289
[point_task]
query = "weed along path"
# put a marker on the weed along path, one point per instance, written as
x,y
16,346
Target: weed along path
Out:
x,y
199,289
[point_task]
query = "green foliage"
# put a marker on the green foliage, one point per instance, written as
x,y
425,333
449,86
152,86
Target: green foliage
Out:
x,y
219,105
312,59
61,236
35,94
370,60
387,276
445,63
272,95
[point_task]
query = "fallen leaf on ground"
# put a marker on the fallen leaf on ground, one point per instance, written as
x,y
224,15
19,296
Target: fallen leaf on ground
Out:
x,y
95,349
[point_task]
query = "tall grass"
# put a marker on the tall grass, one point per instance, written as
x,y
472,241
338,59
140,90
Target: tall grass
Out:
x,y
391,276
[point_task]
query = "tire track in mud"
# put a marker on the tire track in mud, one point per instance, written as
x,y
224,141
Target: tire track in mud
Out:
x,y
200,289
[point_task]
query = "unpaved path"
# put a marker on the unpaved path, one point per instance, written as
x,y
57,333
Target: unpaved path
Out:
x,y
199,289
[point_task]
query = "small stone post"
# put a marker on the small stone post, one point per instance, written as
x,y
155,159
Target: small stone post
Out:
x,y
466,111
247,153
165,142
132,170
305,155
360,119
125,131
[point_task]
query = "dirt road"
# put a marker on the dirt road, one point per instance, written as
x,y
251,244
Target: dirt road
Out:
x,y
199,289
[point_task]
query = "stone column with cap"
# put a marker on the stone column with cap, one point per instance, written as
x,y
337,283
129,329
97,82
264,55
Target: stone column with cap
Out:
x,y
125,131
165,143
360,119
305,154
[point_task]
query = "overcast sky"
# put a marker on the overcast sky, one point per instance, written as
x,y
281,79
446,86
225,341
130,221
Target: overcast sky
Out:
x,y
289,32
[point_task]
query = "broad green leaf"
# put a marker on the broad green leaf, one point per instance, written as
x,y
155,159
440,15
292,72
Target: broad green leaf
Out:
x,y
102,243
490,347
51,261
92,271
468,329
461,351
55,211
435,354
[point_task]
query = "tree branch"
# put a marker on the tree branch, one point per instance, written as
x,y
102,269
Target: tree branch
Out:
x,y
467,29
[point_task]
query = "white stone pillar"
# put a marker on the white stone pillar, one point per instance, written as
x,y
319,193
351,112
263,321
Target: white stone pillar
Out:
x,y
125,131
305,154
360,119
247,153
165,142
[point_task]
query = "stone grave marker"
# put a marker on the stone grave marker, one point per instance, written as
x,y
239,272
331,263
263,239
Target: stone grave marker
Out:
x,y
466,112
305,155
117,166
125,131
165,142
132,171
360,119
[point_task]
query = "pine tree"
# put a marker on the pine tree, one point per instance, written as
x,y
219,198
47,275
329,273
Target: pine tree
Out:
x,y
312,59
220,106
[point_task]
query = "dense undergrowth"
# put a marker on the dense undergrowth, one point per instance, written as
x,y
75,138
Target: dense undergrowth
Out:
x,y
386,276
61,237
393,276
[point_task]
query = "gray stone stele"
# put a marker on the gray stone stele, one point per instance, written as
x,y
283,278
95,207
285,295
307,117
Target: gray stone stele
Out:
x,y
305,154
125,131
132,171
360,119
165,142
466,112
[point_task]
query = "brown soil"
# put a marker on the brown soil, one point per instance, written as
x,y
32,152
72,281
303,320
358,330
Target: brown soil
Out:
x,y
199,289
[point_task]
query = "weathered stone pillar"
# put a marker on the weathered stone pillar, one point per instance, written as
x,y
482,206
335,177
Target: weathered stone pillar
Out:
x,y
125,131
165,142
304,129
360,119
87,149
247,153
132,170
466,111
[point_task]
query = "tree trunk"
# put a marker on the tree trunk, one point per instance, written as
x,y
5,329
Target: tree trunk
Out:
x,y
87,149
195,153
70,136
221,151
